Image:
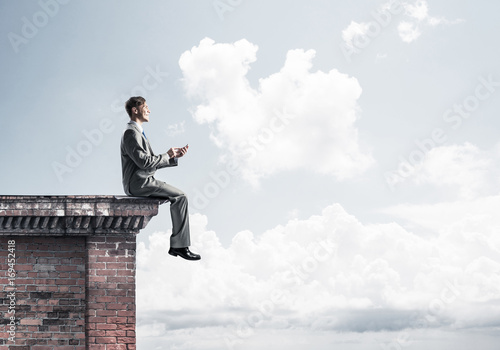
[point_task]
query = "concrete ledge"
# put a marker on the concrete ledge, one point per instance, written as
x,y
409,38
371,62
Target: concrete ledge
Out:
x,y
75,215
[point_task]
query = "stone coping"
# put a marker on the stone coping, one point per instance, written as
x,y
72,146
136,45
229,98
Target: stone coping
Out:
x,y
75,214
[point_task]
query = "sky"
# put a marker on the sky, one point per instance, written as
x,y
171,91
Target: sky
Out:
x,y
343,172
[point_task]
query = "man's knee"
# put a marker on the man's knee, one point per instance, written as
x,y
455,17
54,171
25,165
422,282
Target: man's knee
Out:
x,y
184,198
181,198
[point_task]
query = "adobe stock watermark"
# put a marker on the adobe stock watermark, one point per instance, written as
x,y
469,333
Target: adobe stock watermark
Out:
x,y
84,148
10,288
319,252
31,26
250,149
455,116
382,17
92,139
223,6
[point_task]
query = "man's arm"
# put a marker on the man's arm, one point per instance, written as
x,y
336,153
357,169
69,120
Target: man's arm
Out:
x,y
142,158
174,153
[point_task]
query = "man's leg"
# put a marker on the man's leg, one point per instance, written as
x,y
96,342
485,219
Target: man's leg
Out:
x,y
180,237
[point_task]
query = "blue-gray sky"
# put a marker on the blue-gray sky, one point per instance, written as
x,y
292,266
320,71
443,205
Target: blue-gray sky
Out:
x,y
343,152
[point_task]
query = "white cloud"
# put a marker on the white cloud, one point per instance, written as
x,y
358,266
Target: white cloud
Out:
x,y
413,18
418,18
453,215
418,11
354,31
409,31
470,171
295,119
176,129
329,272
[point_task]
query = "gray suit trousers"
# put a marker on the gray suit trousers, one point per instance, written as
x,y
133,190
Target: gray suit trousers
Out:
x,y
180,237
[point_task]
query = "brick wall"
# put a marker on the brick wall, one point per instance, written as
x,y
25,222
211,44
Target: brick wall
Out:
x,y
49,292
72,285
111,292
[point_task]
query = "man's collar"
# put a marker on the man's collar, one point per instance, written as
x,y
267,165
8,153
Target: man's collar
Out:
x,y
138,125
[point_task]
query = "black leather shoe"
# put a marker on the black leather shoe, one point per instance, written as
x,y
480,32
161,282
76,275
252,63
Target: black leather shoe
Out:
x,y
184,253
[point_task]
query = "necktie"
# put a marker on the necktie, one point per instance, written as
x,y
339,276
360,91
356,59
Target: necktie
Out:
x,y
144,134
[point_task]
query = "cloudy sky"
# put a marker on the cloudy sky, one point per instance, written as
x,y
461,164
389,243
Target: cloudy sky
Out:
x,y
343,170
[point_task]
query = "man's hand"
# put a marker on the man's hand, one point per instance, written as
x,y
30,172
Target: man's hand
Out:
x,y
177,152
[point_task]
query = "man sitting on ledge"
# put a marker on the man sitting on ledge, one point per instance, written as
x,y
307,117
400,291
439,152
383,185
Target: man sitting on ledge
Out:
x,y
139,165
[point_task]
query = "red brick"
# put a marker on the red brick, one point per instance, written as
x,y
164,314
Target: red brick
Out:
x,y
96,347
116,265
30,321
22,267
126,340
71,281
105,340
108,326
100,333
107,259
125,272
96,292
117,347
126,313
126,326
96,306
108,313
96,251
112,306
96,265
96,319
106,286
114,320
117,279
102,272
118,292
106,299
126,286
116,333
100,279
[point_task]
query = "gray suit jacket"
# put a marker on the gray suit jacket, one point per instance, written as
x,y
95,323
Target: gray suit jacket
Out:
x,y
139,163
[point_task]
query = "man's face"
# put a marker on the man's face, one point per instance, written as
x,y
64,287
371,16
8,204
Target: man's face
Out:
x,y
142,113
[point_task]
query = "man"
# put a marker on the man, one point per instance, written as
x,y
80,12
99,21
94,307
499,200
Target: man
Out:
x,y
139,165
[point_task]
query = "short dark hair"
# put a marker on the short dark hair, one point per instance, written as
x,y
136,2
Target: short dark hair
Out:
x,y
132,102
